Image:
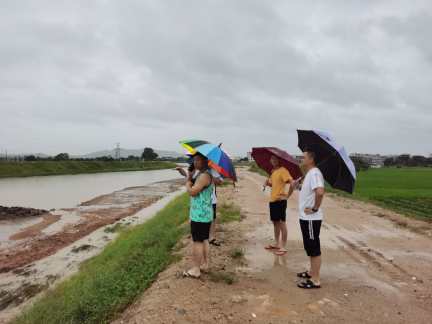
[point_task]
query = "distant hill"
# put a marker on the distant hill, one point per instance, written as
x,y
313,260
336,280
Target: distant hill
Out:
x,y
35,154
126,153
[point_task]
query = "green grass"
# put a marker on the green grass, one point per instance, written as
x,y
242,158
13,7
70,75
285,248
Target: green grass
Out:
x,y
406,191
237,253
106,284
218,276
43,168
242,164
228,213
254,168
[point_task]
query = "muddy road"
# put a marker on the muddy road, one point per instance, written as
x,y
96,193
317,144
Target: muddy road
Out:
x,y
376,269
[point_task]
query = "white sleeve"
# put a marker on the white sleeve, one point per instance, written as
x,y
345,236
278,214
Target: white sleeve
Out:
x,y
317,181
215,174
187,172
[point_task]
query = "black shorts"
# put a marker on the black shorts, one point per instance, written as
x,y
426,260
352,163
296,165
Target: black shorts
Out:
x,y
311,241
214,211
200,231
278,210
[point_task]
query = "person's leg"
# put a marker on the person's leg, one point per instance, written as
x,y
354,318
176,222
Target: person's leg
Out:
x,y
213,230
284,232
277,231
206,255
198,256
314,271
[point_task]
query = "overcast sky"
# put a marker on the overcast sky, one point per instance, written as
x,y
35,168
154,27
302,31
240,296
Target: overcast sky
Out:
x,y
79,76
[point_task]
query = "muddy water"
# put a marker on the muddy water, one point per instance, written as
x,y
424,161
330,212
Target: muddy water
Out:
x,y
64,191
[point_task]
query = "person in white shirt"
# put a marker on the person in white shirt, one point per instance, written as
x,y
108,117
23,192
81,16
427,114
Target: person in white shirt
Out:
x,y
311,215
217,180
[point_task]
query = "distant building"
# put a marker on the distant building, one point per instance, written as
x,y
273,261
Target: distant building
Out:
x,y
237,158
297,158
375,160
430,155
249,156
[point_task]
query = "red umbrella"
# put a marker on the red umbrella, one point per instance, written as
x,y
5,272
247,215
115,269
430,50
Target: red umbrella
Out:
x,y
262,156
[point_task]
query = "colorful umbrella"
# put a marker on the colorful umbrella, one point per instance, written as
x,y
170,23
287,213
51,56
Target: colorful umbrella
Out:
x,y
262,156
219,160
335,165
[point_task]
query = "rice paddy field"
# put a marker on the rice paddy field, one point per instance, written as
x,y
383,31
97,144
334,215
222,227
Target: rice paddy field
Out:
x,y
407,191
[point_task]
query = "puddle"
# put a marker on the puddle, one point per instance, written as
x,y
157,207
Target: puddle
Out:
x,y
9,227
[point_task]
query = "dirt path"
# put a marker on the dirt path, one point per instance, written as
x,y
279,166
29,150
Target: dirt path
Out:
x,y
373,271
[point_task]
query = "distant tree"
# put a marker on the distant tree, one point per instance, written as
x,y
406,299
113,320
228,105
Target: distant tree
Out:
x,y
61,157
417,160
30,158
389,162
360,165
149,154
403,159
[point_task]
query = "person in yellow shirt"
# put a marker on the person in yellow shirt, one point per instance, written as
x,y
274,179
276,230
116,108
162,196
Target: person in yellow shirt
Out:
x,y
278,179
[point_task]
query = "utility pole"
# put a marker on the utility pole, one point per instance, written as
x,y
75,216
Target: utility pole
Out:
x,y
117,152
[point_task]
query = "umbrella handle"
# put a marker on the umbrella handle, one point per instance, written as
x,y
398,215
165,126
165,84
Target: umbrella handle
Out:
x,y
264,186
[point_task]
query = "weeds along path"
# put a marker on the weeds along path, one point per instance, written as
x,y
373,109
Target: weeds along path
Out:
x,y
373,269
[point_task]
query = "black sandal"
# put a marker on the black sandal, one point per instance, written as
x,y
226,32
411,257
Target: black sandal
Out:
x,y
214,242
308,285
304,275
188,275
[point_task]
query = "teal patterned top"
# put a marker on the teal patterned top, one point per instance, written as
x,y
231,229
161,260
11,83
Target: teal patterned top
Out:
x,y
201,209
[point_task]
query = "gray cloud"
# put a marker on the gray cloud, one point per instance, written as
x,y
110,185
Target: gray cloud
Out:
x,y
87,74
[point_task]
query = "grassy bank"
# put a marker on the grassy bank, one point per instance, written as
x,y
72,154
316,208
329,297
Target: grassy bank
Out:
x,y
407,191
43,168
108,283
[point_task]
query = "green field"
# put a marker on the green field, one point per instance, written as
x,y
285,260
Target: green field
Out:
x,y
43,168
406,191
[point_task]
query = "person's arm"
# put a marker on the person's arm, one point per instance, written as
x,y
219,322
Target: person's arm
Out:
x,y
268,183
319,194
286,197
217,179
317,183
180,170
203,181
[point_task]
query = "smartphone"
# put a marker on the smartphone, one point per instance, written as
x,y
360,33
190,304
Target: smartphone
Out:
x,y
191,167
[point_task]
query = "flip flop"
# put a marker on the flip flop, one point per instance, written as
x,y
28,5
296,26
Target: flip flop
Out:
x,y
269,247
188,275
304,275
308,285
281,252
206,271
214,242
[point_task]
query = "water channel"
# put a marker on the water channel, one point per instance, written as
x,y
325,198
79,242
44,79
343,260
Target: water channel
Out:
x,y
63,191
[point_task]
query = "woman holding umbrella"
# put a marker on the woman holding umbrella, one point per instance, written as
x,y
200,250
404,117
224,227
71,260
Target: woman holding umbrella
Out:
x,y
201,215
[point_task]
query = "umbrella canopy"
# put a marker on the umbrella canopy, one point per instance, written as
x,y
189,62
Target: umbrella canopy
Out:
x,y
262,156
219,160
337,168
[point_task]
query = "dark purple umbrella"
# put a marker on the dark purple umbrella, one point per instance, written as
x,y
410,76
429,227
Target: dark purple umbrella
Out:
x,y
335,165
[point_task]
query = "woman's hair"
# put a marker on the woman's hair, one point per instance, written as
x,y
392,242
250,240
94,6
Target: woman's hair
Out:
x,y
200,155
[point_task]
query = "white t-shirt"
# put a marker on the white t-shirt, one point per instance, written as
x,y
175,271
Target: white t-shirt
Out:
x,y
215,174
313,180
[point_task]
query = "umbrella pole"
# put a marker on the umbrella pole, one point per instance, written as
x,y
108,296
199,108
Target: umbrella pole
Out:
x,y
264,186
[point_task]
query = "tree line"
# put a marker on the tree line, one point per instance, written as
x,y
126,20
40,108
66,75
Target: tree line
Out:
x,y
147,155
408,160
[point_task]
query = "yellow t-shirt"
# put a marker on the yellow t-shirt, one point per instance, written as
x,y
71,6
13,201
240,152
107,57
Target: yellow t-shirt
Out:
x,y
278,179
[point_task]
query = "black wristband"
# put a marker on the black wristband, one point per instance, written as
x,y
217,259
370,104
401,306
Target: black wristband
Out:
x,y
314,209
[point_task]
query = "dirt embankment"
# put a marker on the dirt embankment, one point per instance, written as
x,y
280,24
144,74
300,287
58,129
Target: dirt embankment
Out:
x,y
374,270
10,213
93,214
